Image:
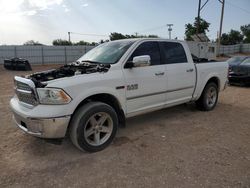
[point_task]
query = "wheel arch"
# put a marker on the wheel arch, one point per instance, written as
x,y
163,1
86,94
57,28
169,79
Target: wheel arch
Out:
x,y
215,80
107,99
210,79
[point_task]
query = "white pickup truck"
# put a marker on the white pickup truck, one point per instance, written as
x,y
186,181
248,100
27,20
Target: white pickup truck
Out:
x,y
89,98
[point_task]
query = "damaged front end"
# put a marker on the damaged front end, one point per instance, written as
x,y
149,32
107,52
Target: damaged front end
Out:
x,y
68,70
31,89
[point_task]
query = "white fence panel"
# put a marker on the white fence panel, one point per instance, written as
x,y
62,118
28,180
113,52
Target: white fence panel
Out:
x,y
230,49
245,48
44,54
238,48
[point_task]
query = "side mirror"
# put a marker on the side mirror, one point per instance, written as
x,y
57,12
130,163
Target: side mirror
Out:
x,y
141,61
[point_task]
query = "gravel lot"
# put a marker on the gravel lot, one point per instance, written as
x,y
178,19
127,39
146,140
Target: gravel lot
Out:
x,y
175,147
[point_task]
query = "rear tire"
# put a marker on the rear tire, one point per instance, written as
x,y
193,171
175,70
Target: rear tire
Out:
x,y
93,126
208,98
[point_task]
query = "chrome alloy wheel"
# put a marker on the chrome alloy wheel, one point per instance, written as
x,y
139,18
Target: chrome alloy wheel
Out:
x,y
98,129
211,96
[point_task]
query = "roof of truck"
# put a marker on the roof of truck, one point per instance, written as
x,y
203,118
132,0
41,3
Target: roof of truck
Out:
x,y
149,39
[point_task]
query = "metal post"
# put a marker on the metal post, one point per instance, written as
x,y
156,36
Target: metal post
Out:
x,y
221,22
15,51
65,55
42,56
69,36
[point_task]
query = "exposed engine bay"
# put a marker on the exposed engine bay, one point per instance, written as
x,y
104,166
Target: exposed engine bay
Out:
x,y
68,70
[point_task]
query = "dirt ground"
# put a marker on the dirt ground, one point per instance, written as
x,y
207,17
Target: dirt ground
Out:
x,y
175,147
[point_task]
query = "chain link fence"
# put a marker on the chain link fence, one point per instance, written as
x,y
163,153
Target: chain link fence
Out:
x,y
44,54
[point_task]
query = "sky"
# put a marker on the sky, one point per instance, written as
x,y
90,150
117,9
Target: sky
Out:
x,y
46,20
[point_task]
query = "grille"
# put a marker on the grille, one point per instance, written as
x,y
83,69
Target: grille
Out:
x,y
23,86
25,93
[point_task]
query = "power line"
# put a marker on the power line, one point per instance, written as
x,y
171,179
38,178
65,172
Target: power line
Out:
x,y
94,35
152,29
236,6
204,5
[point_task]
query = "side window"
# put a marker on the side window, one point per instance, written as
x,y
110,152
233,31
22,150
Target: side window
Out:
x,y
148,48
174,53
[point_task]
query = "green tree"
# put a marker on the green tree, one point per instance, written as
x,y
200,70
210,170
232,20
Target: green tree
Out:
x,y
82,42
152,36
117,36
102,41
94,43
32,43
61,42
190,29
245,29
231,38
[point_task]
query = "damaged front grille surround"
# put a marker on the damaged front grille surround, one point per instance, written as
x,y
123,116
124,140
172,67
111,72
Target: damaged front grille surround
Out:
x,y
25,91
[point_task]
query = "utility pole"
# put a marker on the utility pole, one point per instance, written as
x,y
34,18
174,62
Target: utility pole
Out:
x,y
199,15
198,24
170,29
221,22
69,36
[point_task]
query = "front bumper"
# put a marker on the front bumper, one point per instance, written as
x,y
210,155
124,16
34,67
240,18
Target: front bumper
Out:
x,y
239,79
44,128
51,125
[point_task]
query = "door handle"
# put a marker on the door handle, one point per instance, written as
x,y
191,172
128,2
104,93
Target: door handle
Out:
x,y
159,73
190,70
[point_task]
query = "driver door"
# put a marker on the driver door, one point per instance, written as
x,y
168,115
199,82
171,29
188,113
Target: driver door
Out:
x,y
145,86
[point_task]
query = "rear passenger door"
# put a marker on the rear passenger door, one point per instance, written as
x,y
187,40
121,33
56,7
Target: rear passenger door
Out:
x,y
181,74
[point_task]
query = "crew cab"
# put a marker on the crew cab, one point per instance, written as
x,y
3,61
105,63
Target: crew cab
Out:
x,y
89,98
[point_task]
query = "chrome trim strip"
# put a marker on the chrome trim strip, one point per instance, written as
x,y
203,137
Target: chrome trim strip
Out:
x,y
48,118
189,87
24,91
158,93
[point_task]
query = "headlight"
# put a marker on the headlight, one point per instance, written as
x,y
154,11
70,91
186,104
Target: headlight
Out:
x,y
53,96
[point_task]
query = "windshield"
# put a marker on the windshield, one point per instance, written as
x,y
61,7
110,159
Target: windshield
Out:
x,y
246,62
107,53
236,60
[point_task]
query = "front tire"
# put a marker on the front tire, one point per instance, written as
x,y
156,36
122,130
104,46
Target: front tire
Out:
x,y
93,126
208,98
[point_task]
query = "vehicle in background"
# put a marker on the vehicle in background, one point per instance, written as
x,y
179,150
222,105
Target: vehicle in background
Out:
x,y
239,70
92,96
17,64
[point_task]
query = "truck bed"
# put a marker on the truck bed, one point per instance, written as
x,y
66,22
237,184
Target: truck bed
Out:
x,y
207,70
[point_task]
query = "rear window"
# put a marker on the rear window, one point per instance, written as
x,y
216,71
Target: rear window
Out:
x,y
174,53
